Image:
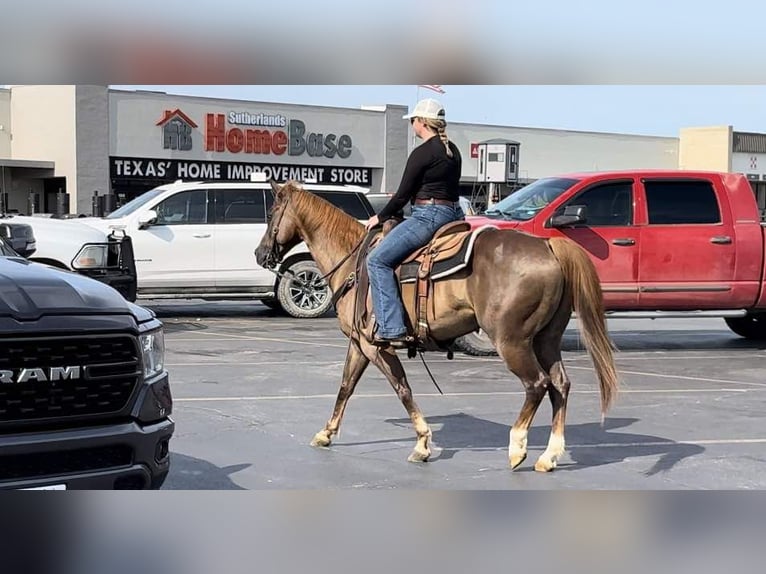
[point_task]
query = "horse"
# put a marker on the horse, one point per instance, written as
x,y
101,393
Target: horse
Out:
x,y
520,289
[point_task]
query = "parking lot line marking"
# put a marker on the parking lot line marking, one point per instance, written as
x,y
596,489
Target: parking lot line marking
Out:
x,y
339,363
648,444
681,377
391,395
644,357
273,340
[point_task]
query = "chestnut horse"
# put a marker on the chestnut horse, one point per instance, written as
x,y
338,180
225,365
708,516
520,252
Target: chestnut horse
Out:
x,y
521,290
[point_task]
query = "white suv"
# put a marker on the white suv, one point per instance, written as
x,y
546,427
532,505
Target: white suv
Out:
x,y
196,240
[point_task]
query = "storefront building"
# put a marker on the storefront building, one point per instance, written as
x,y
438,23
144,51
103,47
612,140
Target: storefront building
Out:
x,y
62,145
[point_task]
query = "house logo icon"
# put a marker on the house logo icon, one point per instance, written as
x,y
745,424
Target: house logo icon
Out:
x,y
176,130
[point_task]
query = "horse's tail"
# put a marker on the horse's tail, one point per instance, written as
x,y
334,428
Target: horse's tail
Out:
x,y
582,279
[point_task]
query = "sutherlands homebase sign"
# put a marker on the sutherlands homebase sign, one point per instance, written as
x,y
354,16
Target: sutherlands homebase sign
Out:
x,y
295,141
166,170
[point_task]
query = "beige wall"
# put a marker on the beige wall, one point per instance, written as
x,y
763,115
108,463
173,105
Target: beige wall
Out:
x,y
43,120
708,148
545,152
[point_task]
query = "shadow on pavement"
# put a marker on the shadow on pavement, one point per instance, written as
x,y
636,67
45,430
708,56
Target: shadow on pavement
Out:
x,y
460,432
188,473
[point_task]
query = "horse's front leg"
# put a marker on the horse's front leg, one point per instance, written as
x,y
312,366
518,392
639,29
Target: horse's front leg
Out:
x,y
390,365
356,363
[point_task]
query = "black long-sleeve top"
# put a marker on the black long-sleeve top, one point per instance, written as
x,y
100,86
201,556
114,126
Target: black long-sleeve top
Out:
x,y
429,173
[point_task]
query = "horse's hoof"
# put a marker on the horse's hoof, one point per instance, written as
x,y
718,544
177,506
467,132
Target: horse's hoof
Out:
x,y
321,439
419,456
517,459
545,465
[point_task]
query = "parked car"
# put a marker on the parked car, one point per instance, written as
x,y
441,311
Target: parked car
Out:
x,y
85,399
70,245
196,240
666,243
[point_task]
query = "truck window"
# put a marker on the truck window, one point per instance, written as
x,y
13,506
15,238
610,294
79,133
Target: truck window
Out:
x,y
609,204
185,208
681,202
240,206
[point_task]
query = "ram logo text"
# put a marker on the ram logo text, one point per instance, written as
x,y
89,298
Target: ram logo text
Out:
x,y
40,375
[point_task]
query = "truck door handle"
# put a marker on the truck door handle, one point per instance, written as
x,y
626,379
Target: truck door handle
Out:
x,y
201,235
721,240
626,242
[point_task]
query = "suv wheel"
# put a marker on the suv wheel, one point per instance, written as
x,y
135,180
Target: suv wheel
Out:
x,y
305,295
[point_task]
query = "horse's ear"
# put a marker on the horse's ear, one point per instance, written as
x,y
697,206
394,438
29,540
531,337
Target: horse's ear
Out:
x,y
274,187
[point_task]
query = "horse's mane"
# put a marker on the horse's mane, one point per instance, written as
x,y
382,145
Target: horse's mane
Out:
x,y
319,213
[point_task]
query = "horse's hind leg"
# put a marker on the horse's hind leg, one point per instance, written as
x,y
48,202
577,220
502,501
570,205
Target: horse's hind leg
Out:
x,y
548,351
390,365
521,360
356,363
558,392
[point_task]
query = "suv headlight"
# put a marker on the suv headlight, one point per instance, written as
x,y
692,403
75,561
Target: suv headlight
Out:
x,y
91,257
152,352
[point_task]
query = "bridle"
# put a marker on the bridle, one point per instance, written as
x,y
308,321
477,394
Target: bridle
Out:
x,y
273,259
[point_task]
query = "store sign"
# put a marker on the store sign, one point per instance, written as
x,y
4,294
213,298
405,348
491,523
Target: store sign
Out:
x,y
252,134
168,170
295,140
176,130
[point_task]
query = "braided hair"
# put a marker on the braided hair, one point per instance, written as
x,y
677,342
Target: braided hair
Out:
x,y
440,127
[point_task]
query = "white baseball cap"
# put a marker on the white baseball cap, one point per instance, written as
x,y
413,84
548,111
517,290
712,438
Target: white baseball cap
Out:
x,y
429,109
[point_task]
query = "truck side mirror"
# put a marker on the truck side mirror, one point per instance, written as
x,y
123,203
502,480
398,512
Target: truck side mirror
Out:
x,y
573,215
147,219
27,250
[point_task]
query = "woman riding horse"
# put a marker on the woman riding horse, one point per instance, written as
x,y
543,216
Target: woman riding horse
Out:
x,y
431,183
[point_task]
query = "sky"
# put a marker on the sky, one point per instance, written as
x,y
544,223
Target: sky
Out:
x,y
660,110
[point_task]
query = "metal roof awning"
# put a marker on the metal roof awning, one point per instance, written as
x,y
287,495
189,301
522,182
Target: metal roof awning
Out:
x,y
27,163
499,141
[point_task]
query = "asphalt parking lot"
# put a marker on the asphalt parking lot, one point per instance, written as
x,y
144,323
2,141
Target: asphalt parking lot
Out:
x,y
252,388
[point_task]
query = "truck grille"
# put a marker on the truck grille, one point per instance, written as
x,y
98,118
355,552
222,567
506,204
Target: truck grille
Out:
x,y
109,373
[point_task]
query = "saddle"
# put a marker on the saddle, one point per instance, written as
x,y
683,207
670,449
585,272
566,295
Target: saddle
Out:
x,y
448,252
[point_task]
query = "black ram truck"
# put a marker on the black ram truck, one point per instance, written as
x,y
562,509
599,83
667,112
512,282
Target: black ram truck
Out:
x,y
85,399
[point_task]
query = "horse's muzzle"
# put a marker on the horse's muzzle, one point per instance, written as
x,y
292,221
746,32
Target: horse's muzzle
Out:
x,y
262,257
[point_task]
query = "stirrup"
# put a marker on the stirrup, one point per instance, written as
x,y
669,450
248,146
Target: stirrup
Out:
x,y
401,342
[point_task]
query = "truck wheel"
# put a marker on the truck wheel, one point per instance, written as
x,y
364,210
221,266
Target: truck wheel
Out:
x,y
306,295
750,327
476,344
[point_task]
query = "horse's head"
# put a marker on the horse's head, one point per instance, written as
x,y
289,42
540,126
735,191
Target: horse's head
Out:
x,y
282,233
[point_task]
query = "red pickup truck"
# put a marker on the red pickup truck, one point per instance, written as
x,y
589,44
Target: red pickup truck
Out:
x,y
665,243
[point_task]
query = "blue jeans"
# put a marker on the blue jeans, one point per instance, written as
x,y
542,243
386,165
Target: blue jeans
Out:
x,y
410,235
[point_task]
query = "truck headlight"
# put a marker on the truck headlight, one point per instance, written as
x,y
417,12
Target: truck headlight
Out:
x,y
91,257
152,352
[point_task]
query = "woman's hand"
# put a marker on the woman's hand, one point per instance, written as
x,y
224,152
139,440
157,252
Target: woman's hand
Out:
x,y
373,222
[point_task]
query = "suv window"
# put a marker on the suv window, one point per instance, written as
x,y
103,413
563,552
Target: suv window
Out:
x,y
609,204
349,202
240,206
184,208
681,202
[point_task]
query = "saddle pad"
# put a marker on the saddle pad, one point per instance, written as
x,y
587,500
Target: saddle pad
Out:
x,y
408,273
